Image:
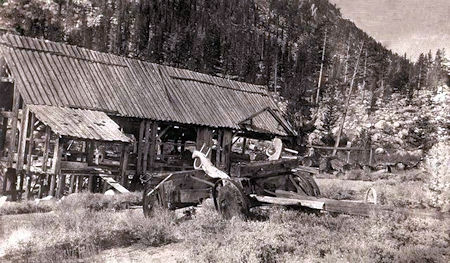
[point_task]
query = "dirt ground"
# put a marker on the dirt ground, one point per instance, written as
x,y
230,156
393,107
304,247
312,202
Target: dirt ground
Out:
x,y
175,252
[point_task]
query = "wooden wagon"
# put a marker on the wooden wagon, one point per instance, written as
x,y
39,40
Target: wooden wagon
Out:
x,y
281,182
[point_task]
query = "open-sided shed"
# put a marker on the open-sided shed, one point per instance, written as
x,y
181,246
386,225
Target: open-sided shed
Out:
x,y
83,95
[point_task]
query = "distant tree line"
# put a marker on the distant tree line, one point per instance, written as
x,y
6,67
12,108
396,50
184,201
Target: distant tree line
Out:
x,y
277,43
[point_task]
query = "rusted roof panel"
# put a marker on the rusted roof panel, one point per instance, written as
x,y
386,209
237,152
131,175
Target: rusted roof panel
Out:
x,y
55,74
76,123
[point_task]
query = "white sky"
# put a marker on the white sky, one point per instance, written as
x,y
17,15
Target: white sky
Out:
x,y
411,26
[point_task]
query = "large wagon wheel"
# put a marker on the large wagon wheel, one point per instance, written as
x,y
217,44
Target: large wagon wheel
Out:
x,y
305,184
230,199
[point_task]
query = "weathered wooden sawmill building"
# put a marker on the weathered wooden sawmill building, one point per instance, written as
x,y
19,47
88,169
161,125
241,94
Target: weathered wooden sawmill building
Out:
x,y
70,116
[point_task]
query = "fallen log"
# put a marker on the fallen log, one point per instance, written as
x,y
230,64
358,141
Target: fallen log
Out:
x,y
350,207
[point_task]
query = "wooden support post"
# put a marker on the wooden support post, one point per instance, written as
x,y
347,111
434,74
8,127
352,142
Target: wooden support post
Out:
x,y
153,144
80,179
244,145
219,150
370,155
72,183
51,191
124,165
226,146
56,165
29,154
22,146
61,185
41,188
5,184
146,147
140,146
3,135
204,136
21,179
90,152
349,145
91,183
30,143
11,179
46,148
12,140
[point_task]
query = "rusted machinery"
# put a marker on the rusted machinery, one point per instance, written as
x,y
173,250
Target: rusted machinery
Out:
x,y
250,184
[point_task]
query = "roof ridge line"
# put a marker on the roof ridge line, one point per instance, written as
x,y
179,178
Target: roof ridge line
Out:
x,y
221,86
58,53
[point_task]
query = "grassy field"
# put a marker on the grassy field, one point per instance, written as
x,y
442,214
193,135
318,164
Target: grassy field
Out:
x,y
91,228
280,236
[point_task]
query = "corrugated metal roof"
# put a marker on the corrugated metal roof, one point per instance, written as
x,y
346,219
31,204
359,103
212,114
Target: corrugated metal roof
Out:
x,y
76,123
55,74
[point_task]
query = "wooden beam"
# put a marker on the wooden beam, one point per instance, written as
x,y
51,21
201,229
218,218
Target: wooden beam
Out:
x,y
56,165
226,153
307,169
46,148
219,150
124,165
30,143
12,141
7,114
332,148
72,184
109,180
23,138
153,144
358,208
79,185
244,145
204,136
146,147
3,136
6,79
290,201
140,147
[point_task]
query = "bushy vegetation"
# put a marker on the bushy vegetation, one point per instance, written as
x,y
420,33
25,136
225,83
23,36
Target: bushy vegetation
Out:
x,y
438,165
276,235
291,236
89,201
403,190
80,233
26,207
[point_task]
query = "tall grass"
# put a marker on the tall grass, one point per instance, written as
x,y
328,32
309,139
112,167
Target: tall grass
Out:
x,y
90,201
291,236
281,236
80,233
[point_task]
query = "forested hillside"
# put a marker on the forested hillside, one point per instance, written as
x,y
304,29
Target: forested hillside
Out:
x,y
287,45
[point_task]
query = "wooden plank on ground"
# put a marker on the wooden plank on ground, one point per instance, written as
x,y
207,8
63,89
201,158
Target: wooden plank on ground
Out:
x,y
109,180
361,208
319,205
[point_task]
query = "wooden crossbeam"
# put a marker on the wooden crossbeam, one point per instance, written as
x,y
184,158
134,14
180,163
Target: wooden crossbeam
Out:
x,y
109,180
6,79
290,201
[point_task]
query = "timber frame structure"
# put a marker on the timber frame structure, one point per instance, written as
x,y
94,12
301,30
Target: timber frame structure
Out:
x,y
70,117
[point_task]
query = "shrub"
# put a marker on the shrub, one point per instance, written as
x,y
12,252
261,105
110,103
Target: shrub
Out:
x,y
438,165
97,202
73,234
26,207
